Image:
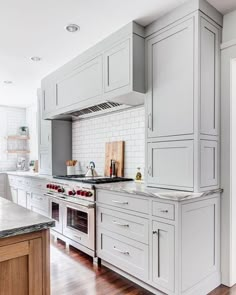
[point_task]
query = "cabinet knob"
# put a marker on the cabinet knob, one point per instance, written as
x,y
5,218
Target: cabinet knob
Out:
x,y
155,232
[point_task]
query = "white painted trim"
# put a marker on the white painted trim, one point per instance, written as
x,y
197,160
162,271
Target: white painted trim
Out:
x,y
228,44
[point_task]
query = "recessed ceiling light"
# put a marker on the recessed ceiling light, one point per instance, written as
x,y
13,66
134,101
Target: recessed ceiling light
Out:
x,y
72,28
35,58
7,82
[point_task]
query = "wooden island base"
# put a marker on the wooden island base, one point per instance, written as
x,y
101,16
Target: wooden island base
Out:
x,y
25,264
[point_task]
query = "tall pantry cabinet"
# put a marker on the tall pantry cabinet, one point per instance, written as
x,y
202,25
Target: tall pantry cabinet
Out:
x,y
182,105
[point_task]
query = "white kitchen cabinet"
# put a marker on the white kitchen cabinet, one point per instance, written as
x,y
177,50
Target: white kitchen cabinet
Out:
x,y
170,164
183,100
117,65
3,191
113,70
210,79
48,96
39,203
22,198
163,255
83,82
13,194
55,140
170,79
174,248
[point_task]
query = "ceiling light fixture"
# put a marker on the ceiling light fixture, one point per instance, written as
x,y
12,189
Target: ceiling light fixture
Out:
x,y
72,28
35,58
7,82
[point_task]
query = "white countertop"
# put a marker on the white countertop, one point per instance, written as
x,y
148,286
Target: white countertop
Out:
x,y
130,187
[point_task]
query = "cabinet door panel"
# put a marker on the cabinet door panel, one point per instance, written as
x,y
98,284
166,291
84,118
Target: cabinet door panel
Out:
x,y
170,82
170,164
49,97
84,82
22,198
13,195
45,164
210,56
117,66
163,246
199,245
44,126
209,163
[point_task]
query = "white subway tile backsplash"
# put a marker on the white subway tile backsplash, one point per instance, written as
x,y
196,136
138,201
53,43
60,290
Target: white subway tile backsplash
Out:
x,y
90,136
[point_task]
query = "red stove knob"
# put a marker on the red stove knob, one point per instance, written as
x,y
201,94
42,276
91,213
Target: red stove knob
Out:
x,y
48,185
60,190
78,192
71,193
88,194
83,193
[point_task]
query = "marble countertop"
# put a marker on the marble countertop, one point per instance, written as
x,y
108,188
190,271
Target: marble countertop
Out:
x,y
16,220
141,189
130,187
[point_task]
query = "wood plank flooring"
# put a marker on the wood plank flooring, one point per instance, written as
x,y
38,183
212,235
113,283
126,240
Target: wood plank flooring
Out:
x,y
73,273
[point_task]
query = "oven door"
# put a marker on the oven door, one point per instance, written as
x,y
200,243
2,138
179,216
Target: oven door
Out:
x,y
78,224
56,208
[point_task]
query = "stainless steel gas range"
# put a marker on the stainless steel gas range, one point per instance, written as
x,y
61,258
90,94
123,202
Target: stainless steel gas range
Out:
x,y
72,205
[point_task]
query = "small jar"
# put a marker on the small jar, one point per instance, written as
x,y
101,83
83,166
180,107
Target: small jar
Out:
x,y
138,174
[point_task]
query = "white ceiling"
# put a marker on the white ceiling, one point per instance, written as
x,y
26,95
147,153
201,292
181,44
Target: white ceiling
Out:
x,y
36,28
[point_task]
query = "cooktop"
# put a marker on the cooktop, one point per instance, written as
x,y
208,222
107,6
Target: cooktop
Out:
x,y
92,180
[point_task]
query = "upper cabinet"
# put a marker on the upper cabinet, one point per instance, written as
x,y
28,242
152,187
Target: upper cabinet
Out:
x,y
182,105
82,82
117,67
113,70
209,81
170,80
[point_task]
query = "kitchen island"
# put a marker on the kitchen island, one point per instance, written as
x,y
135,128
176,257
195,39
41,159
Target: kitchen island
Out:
x,y
24,251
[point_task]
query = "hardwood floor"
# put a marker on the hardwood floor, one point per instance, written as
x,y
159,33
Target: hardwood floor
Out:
x,y
73,273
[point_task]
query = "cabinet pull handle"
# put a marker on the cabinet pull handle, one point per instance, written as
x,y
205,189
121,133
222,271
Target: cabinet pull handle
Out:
x,y
157,232
78,237
121,251
44,102
119,202
164,211
56,94
150,171
150,121
120,224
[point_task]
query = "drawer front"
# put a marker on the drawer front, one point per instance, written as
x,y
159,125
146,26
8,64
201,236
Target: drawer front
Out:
x,y
133,227
39,201
128,255
38,184
123,201
163,210
78,237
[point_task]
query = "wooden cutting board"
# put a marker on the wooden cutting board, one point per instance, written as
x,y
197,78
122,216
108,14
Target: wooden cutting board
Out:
x,y
115,151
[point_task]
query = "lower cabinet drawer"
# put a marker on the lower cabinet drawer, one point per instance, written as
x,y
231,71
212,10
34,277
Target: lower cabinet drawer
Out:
x,y
163,210
127,225
39,201
77,237
128,255
123,201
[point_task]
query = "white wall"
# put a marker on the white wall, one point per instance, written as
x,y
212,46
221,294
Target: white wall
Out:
x,y
229,27
32,123
228,151
90,135
11,119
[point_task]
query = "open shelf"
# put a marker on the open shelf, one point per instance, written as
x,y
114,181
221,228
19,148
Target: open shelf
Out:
x,y
17,152
18,137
